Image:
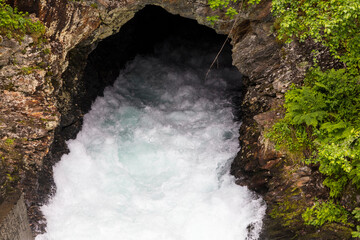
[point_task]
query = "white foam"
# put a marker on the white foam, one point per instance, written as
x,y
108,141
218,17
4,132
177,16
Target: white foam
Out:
x,y
152,162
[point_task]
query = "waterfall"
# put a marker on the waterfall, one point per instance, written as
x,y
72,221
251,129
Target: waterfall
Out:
x,y
152,159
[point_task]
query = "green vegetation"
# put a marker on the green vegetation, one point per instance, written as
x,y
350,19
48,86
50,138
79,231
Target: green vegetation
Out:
x,y
289,210
334,23
94,5
229,7
356,213
222,5
46,51
15,24
28,70
10,163
324,212
322,119
9,141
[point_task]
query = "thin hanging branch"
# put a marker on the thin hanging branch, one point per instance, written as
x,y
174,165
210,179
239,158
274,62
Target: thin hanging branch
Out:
x,y
217,56
227,38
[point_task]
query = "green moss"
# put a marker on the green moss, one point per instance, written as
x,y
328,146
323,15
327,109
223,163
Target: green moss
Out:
x,y
9,141
11,181
14,61
11,178
289,211
15,24
331,231
229,7
45,120
42,65
94,5
322,116
46,51
28,70
10,165
325,212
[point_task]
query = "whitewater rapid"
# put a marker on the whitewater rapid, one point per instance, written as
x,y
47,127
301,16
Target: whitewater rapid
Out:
x,y
152,159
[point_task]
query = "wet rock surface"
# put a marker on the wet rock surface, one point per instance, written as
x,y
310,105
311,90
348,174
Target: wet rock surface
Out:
x,y
286,183
43,96
13,218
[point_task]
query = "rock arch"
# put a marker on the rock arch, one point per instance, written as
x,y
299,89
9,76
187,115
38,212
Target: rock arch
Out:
x,y
75,28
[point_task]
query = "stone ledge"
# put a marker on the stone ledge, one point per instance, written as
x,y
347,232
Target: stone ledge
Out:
x,y
14,223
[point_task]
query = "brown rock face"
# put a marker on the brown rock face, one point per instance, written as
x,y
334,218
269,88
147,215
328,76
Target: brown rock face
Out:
x,y
43,95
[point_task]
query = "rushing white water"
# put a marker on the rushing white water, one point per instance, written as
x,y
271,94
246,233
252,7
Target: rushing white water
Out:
x,y
152,160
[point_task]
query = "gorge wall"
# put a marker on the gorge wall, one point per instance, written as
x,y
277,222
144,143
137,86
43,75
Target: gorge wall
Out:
x,y
43,98
13,217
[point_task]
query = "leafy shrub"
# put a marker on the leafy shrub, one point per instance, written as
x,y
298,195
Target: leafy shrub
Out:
x,y
342,90
333,23
340,161
227,6
295,139
327,106
15,24
325,212
356,213
322,117
223,5
305,106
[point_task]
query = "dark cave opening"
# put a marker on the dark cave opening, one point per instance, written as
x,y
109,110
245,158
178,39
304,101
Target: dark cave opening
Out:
x,y
150,27
90,71
92,68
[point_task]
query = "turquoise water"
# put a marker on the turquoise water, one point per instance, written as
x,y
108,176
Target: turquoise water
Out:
x,y
152,159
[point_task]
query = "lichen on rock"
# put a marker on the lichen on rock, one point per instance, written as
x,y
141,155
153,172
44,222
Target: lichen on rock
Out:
x,y
43,95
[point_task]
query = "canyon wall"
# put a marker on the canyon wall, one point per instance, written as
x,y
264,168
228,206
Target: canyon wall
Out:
x,y
42,98
13,218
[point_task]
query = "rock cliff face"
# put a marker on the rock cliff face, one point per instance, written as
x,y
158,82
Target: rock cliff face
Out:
x,y
13,217
43,96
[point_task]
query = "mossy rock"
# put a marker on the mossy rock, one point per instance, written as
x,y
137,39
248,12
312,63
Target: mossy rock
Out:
x,y
11,161
330,231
